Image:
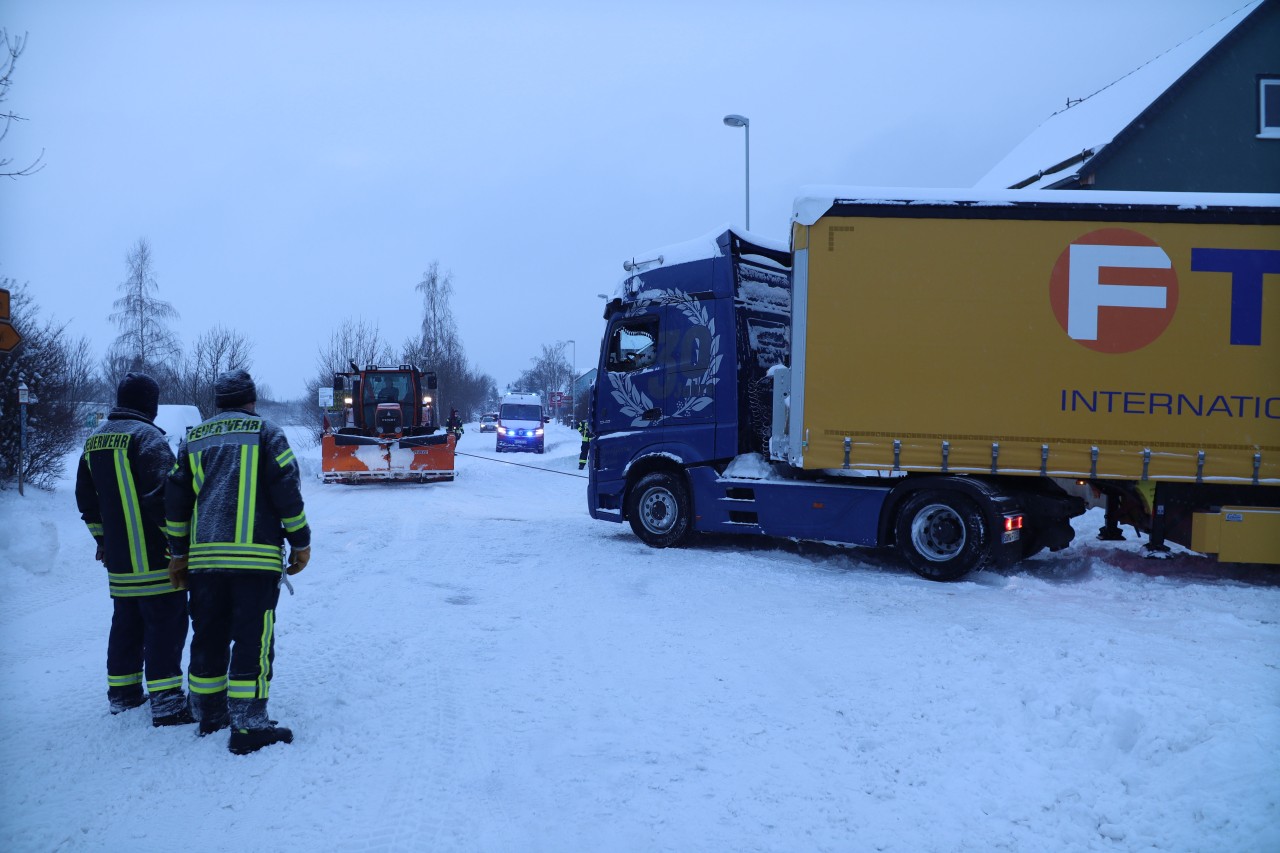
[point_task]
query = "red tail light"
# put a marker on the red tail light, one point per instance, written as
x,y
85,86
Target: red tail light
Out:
x,y
1012,522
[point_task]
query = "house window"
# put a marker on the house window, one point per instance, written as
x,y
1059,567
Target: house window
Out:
x,y
1269,107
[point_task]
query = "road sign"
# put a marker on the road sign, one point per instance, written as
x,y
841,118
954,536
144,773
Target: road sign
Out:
x,y
9,337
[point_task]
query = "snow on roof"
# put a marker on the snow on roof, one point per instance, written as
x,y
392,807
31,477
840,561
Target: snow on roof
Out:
x,y
1071,136
814,201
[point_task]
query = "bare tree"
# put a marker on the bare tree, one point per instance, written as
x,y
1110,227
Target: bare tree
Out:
x,y
218,350
551,371
355,340
82,384
13,48
145,341
439,344
438,347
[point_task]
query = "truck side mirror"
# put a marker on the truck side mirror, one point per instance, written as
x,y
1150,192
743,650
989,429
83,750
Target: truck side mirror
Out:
x,y
431,381
339,385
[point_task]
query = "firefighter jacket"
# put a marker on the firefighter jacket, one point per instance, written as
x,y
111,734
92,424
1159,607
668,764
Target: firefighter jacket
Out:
x,y
234,495
120,485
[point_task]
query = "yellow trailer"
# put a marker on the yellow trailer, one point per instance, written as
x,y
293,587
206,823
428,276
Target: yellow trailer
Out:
x,y
1130,340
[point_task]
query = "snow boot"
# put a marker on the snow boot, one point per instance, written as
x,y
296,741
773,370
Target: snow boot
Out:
x,y
170,708
120,704
178,718
245,741
209,727
210,710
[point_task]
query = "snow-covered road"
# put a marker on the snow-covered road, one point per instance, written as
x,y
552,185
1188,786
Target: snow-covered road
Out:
x,y
478,665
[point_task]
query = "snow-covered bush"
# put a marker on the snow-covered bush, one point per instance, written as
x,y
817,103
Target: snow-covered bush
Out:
x,y
57,373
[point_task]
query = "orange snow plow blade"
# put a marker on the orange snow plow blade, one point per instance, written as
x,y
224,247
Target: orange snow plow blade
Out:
x,y
360,459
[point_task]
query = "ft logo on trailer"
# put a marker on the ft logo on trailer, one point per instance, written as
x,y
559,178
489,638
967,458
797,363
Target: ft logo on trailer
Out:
x,y
1115,290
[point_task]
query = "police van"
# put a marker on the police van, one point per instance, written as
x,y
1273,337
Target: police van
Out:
x,y
521,423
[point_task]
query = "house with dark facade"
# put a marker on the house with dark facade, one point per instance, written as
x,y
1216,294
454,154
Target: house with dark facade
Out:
x,y
1203,116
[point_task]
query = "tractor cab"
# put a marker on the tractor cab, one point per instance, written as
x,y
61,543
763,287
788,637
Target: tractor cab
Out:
x,y
389,428
387,401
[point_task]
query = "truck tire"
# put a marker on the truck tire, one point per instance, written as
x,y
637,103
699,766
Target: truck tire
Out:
x,y
659,509
942,535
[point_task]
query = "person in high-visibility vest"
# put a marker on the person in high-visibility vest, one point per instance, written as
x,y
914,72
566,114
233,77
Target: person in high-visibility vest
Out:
x,y
120,493
232,501
585,431
454,424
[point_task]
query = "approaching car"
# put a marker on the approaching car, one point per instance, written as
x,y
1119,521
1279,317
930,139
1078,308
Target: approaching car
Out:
x,y
489,423
520,423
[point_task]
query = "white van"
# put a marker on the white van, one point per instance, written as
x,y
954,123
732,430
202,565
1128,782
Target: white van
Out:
x,y
520,423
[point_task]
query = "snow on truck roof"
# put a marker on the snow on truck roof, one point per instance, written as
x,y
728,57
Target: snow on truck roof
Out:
x,y
814,202
702,248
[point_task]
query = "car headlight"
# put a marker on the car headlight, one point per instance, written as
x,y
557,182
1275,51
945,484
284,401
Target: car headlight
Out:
x,y
537,432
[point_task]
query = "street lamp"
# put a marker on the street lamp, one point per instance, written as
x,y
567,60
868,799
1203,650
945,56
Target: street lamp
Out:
x,y
24,397
734,120
573,377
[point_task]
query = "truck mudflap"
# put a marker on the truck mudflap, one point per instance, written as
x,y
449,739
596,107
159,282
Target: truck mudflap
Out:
x,y
347,458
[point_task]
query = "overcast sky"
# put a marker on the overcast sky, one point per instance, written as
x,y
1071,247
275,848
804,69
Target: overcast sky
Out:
x,y
294,164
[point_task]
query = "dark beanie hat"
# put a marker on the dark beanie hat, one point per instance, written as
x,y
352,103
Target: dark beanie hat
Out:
x,y
139,392
234,388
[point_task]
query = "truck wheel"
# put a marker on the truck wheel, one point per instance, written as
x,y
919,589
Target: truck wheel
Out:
x,y
659,510
942,535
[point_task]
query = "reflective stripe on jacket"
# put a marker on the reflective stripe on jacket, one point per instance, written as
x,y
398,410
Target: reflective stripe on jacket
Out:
x,y
120,484
234,495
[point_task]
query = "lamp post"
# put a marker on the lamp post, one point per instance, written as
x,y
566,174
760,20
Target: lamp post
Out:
x,y
734,120
573,383
24,397
573,376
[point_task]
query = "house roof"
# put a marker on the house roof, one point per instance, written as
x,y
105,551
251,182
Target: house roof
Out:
x,y
1069,138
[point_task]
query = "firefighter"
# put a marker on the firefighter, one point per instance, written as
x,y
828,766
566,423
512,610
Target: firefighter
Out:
x,y
233,498
585,431
120,485
454,424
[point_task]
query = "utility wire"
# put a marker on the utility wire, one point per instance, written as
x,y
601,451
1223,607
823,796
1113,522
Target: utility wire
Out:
x,y
521,465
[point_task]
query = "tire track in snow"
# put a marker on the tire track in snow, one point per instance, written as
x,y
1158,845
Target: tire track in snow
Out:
x,y
425,748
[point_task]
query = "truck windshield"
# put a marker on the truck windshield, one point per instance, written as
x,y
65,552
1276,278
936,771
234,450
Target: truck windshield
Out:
x,y
521,412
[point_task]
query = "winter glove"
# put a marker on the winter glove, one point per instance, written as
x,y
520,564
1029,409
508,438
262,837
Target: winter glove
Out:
x,y
298,559
178,572
99,554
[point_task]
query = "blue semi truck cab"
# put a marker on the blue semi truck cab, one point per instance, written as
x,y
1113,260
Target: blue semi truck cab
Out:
x,y
683,412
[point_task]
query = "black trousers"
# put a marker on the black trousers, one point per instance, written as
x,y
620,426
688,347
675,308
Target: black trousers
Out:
x,y
233,616
147,632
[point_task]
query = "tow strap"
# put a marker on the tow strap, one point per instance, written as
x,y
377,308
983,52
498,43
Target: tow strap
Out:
x,y
521,465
